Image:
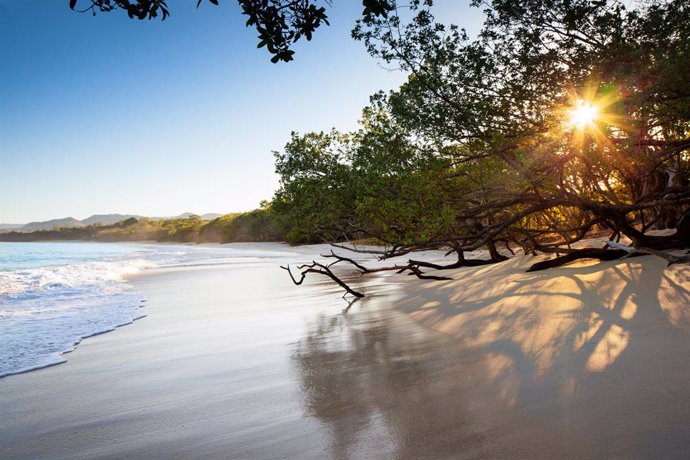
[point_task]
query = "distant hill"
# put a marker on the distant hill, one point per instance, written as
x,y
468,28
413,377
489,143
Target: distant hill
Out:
x,y
184,215
96,219
107,219
50,224
4,228
257,225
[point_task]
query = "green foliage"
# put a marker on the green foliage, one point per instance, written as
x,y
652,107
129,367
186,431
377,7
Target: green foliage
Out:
x,y
314,176
252,226
476,146
372,183
180,230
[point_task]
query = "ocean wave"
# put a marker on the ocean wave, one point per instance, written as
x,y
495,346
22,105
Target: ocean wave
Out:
x,y
68,278
53,295
45,312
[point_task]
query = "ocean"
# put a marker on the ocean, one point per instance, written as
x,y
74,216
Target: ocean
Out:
x,y
54,294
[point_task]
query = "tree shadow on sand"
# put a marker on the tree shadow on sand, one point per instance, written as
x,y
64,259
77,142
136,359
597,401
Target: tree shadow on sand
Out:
x,y
586,359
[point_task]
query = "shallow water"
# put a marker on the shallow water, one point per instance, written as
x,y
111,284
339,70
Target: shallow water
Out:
x,y
54,294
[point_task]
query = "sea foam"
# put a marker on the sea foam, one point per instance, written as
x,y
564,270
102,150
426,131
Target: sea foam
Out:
x,y
52,295
46,311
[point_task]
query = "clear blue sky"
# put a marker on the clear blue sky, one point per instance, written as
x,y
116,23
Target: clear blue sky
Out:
x,y
110,115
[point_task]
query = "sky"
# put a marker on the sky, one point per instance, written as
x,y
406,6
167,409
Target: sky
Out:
x,y
110,115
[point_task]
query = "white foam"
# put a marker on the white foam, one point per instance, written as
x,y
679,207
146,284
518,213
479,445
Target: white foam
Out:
x,y
47,311
36,281
52,295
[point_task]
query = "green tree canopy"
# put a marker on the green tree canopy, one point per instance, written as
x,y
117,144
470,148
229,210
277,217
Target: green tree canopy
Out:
x,y
561,117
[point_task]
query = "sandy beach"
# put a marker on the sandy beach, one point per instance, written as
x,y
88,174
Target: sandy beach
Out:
x,y
585,360
351,230
233,361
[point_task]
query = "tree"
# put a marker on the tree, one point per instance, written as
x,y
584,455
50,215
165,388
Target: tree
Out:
x,y
279,23
314,174
562,117
538,66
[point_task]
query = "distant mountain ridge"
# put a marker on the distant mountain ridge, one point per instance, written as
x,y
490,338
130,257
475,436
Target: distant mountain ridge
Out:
x,y
96,219
107,219
50,224
10,226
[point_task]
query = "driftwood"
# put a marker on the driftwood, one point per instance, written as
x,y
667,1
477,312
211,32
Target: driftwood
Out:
x,y
411,267
632,251
613,251
619,251
461,262
577,254
320,269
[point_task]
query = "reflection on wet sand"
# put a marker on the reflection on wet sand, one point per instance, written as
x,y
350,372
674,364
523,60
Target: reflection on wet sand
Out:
x,y
597,368
386,387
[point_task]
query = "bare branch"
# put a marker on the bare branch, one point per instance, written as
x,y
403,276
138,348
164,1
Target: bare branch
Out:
x,y
672,259
320,269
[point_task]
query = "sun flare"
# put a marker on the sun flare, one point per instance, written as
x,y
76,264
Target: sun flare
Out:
x,y
583,115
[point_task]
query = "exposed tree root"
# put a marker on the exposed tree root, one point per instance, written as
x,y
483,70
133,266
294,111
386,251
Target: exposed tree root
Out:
x,y
577,254
631,251
620,251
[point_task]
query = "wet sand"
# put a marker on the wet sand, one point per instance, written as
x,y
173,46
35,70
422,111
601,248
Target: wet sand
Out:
x,y
233,361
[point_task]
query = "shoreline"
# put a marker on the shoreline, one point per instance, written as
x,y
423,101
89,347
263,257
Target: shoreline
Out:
x,y
149,368
129,279
236,361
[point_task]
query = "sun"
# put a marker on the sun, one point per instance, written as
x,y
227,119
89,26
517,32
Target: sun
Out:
x,y
583,115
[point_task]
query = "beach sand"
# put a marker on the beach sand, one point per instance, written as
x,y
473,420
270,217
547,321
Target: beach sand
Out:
x,y
233,361
586,360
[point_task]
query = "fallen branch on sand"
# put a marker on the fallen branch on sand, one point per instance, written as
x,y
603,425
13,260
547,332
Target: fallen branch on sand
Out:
x,y
632,251
613,251
320,269
315,267
577,254
619,251
411,266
